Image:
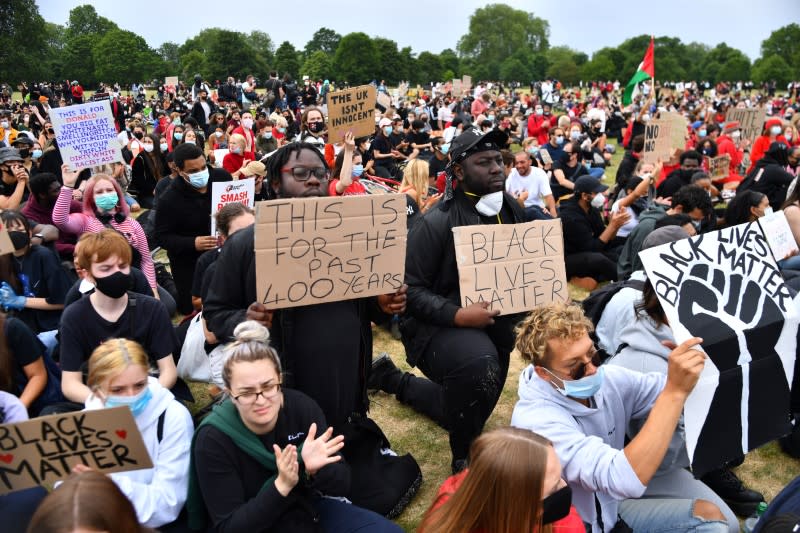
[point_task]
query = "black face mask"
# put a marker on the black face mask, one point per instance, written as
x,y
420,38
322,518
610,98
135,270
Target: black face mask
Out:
x,y
316,127
138,134
114,285
20,239
557,505
25,153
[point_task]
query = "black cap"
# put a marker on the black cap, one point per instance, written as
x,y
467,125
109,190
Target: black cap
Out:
x,y
472,138
22,139
589,184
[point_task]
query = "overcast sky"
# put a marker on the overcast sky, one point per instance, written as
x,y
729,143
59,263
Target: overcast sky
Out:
x,y
586,25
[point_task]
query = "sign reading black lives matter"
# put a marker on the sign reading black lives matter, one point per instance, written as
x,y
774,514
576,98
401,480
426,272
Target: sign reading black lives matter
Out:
x,y
726,288
315,250
351,110
514,267
86,134
43,450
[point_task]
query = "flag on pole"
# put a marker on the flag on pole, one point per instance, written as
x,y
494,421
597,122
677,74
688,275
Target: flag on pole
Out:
x,y
646,71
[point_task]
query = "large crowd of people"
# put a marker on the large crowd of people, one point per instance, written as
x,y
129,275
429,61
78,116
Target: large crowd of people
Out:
x,y
93,318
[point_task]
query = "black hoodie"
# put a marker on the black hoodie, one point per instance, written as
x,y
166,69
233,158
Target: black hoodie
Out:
x,y
769,177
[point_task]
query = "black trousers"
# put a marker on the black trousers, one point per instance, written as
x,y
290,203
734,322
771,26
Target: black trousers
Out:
x,y
467,369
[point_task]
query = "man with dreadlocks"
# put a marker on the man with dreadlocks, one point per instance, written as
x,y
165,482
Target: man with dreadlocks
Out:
x,y
464,351
325,348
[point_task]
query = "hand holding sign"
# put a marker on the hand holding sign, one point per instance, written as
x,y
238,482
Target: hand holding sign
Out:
x,y
685,365
476,315
394,304
205,242
69,176
259,312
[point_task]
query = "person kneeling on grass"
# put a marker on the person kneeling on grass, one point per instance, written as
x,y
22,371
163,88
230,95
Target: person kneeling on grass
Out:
x,y
513,484
264,459
585,409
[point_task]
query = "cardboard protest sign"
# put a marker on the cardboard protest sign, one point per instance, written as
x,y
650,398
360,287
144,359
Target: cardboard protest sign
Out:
x,y
229,192
779,235
719,167
43,450
315,250
86,134
351,110
750,120
467,82
171,80
514,267
6,246
385,100
657,140
545,155
726,288
677,132
458,87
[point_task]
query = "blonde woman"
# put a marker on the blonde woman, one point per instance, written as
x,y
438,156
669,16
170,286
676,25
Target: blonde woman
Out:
x,y
415,184
235,161
118,376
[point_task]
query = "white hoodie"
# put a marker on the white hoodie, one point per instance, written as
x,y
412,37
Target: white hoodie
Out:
x,y
158,493
589,441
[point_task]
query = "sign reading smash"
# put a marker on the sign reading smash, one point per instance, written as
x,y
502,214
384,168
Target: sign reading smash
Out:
x,y
44,450
230,192
316,250
86,134
514,267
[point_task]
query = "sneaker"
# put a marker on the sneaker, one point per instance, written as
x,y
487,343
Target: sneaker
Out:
x,y
729,487
384,375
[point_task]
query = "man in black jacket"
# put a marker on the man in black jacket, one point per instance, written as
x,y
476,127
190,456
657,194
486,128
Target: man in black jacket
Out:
x,y
202,109
463,350
183,220
769,176
690,163
325,349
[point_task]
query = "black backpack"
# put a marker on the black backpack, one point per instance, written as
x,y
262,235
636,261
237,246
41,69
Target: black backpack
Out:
x,y
596,302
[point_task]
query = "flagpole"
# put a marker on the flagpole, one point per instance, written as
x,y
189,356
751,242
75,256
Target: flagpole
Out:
x,y
653,79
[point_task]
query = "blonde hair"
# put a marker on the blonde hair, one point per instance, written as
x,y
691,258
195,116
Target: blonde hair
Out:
x,y
415,175
502,492
112,357
238,138
251,344
547,322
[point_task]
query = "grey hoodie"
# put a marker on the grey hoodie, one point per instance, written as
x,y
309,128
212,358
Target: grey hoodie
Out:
x,y
629,257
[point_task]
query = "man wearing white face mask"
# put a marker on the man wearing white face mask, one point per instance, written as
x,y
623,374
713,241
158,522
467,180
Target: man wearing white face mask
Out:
x,y
464,351
591,248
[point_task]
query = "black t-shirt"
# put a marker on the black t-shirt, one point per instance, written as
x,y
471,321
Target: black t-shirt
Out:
x,y
571,173
140,285
382,145
420,137
83,330
200,269
436,165
25,348
41,276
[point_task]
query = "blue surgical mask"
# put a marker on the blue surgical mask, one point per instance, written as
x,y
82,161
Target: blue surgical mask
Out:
x,y
583,388
445,148
36,154
387,130
281,130
268,135
135,403
198,180
560,140
106,201
178,136
358,170
164,147
188,142
702,133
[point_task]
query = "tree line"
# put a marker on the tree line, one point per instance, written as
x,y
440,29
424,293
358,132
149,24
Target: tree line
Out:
x,y
92,48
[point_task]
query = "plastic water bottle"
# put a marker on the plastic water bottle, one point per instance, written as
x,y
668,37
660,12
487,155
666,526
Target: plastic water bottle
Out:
x,y
750,523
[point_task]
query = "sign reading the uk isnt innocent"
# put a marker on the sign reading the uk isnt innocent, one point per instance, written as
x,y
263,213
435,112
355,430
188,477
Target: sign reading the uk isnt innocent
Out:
x,y
86,134
44,450
514,267
316,250
351,110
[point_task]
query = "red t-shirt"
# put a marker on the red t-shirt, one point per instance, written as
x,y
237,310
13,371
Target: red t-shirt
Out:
x,y
355,189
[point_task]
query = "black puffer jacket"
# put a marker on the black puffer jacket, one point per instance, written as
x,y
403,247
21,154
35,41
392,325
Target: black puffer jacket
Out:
x,y
769,177
432,273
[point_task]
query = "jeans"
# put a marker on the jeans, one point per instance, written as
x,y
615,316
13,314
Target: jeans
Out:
x,y
793,263
337,516
597,172
535,212
666,516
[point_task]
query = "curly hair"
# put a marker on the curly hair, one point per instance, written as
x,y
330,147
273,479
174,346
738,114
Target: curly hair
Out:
x,y
564,321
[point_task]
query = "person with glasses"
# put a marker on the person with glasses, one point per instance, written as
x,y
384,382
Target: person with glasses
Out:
x,y
265,459
118,376
585,410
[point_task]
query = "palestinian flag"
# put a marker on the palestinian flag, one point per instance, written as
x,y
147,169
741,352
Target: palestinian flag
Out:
x,y
646,71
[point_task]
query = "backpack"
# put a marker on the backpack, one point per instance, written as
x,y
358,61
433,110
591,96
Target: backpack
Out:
x,y
596,302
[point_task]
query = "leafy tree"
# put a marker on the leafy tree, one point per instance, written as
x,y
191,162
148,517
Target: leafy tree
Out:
x,y
429,68
725,63
200,42
224,53
563,64
356,59
391,67
496,32
450,61
318,66
324,40
77,60
194,62
694,57
262,44
770,68
407,63
169,53
784,42
599,68
512,69
616,56
122,56
84,20
286,60
21,23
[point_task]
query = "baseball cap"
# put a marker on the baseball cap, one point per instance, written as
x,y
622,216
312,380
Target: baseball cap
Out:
x,y
731,126
473,139
255,168
385,122
22,139
589,184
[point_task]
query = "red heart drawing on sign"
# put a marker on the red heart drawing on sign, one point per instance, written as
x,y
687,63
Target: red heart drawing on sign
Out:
x,y
121,433
7,458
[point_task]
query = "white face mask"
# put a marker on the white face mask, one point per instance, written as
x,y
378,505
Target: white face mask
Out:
x,y
490,204
767,211
736,134
775,130
599,201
